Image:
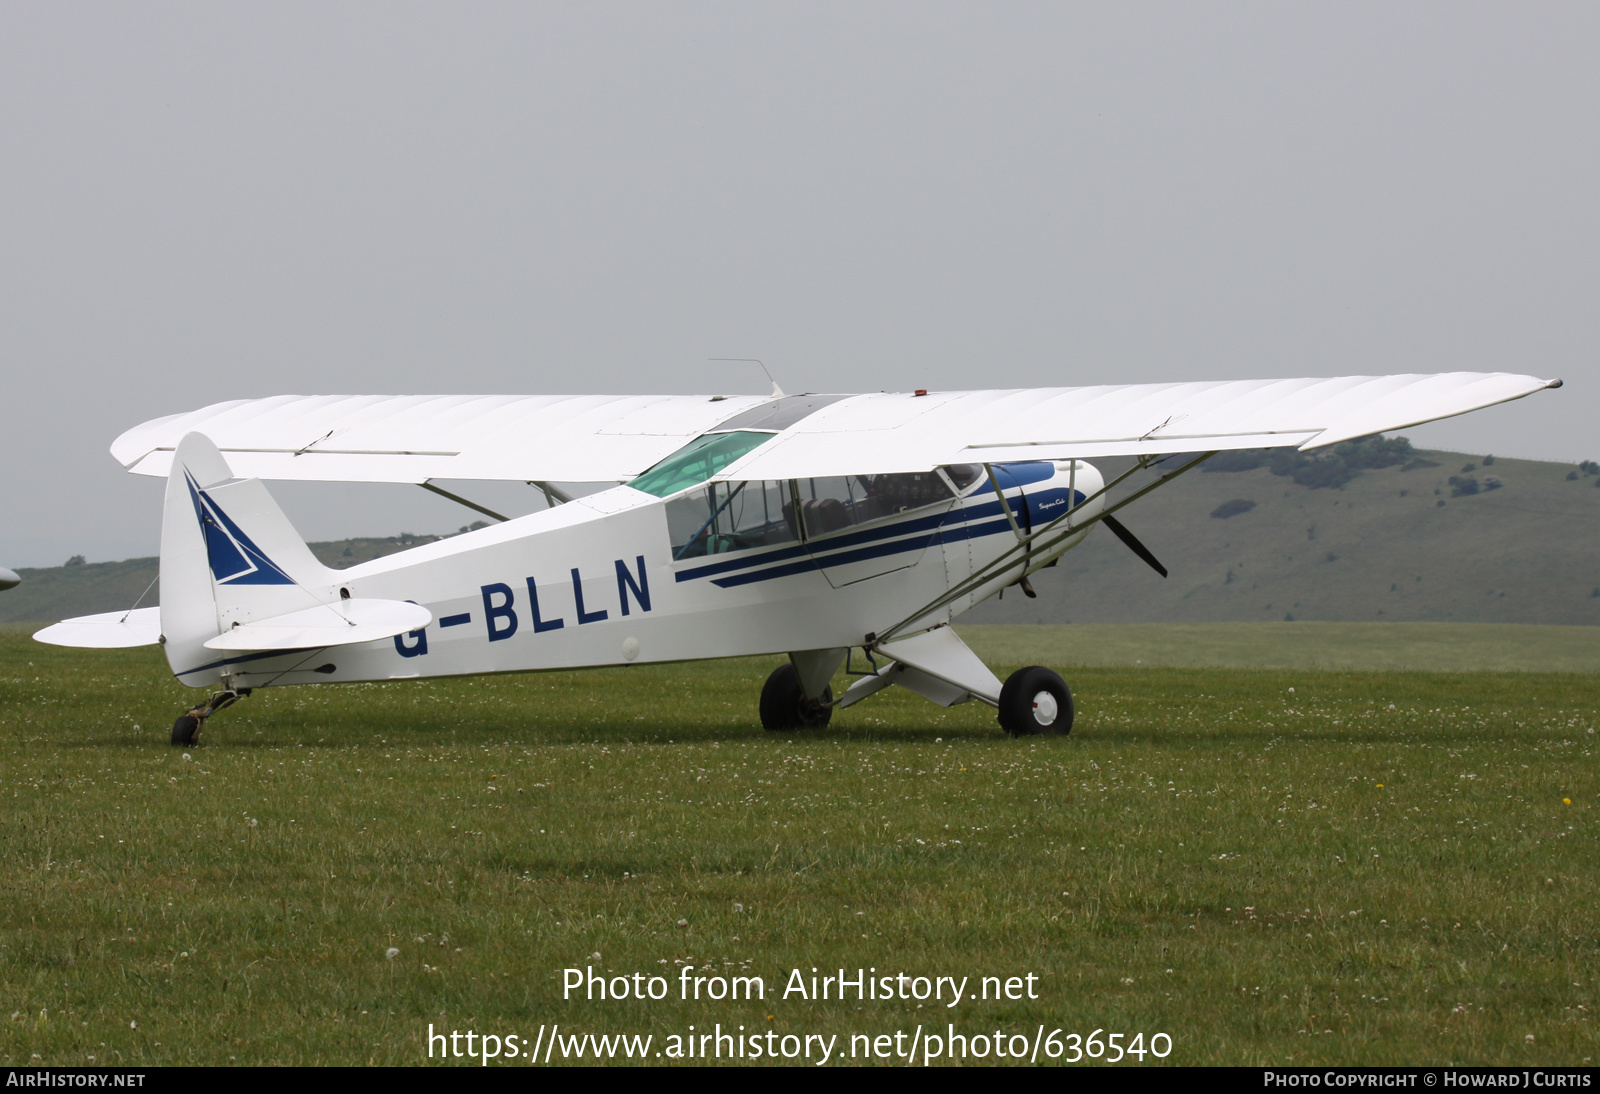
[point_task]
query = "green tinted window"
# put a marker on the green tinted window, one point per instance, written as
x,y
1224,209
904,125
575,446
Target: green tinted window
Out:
x,y
697,461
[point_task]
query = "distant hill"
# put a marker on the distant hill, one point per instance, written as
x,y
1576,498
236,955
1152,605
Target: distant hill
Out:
x,y
1282,537
1423,540
59,592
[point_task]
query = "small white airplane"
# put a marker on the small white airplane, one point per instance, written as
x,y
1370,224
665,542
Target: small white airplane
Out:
x,y
807,525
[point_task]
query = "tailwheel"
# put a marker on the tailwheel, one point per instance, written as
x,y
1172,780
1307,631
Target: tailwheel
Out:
x,y
186,730
1035,700
784,705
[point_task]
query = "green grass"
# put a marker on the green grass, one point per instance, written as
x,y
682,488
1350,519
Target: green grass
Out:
x,y
1370,868
1370,647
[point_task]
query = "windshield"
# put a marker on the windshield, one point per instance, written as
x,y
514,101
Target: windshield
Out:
x,y
697,461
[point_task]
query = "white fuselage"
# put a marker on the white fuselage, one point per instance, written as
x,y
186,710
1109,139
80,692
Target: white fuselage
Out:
x,y
594,582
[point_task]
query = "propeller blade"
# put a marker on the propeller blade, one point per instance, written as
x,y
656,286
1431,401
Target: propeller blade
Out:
x,y
1131,541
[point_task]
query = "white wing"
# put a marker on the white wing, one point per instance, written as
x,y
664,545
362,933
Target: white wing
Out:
x,y
592,438
894,432
414,438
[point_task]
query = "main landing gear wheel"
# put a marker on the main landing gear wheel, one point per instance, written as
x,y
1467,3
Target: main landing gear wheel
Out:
x,y
784,705
1035,700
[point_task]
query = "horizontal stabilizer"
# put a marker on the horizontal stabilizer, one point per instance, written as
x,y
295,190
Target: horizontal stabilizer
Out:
x,y
107,631
345,623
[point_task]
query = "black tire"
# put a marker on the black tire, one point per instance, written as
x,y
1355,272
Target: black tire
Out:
x,y
1024,709
186,730
784,705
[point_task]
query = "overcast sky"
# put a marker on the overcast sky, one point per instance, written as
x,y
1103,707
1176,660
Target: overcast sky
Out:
x,y
209,201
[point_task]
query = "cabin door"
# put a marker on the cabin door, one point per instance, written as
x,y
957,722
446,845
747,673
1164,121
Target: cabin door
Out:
x,y
858,527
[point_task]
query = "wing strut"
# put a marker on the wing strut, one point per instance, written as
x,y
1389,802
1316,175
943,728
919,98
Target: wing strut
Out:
x,y
553,496
1048,537
463,501
1005,506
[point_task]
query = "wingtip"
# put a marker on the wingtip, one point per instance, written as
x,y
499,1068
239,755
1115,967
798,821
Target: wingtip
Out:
x,y
1553,384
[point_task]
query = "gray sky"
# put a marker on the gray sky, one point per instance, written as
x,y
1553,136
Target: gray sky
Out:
x,y
209,201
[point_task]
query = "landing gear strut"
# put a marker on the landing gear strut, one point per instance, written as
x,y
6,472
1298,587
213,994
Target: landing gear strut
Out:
x,y
784,705
186,730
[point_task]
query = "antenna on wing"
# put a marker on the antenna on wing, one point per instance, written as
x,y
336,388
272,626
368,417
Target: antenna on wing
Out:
x,y
777,392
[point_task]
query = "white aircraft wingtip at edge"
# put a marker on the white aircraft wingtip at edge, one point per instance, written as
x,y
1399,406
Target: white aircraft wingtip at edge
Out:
x,y
106,631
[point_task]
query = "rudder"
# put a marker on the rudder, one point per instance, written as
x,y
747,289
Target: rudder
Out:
x,y
228,555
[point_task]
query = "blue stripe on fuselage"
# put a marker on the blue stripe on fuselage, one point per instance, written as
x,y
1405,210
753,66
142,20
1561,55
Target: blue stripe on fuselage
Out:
x,y
952,534
931,522
968,522
1016,474
247,657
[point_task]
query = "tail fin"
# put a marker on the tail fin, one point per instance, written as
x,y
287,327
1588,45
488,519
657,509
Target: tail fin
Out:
x,y
228,555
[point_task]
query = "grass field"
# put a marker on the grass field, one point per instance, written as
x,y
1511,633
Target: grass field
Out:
x,y
1362,647
1269,865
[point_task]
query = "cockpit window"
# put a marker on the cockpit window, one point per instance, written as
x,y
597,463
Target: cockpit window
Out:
x,y
730,516
829,504
697,461
964,474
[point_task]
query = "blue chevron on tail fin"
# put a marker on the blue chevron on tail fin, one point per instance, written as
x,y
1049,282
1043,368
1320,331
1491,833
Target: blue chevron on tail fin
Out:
x,y
234,557
229,557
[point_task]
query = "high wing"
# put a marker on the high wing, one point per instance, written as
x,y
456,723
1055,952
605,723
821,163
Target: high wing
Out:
x,y
589,438
414,438
889,432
